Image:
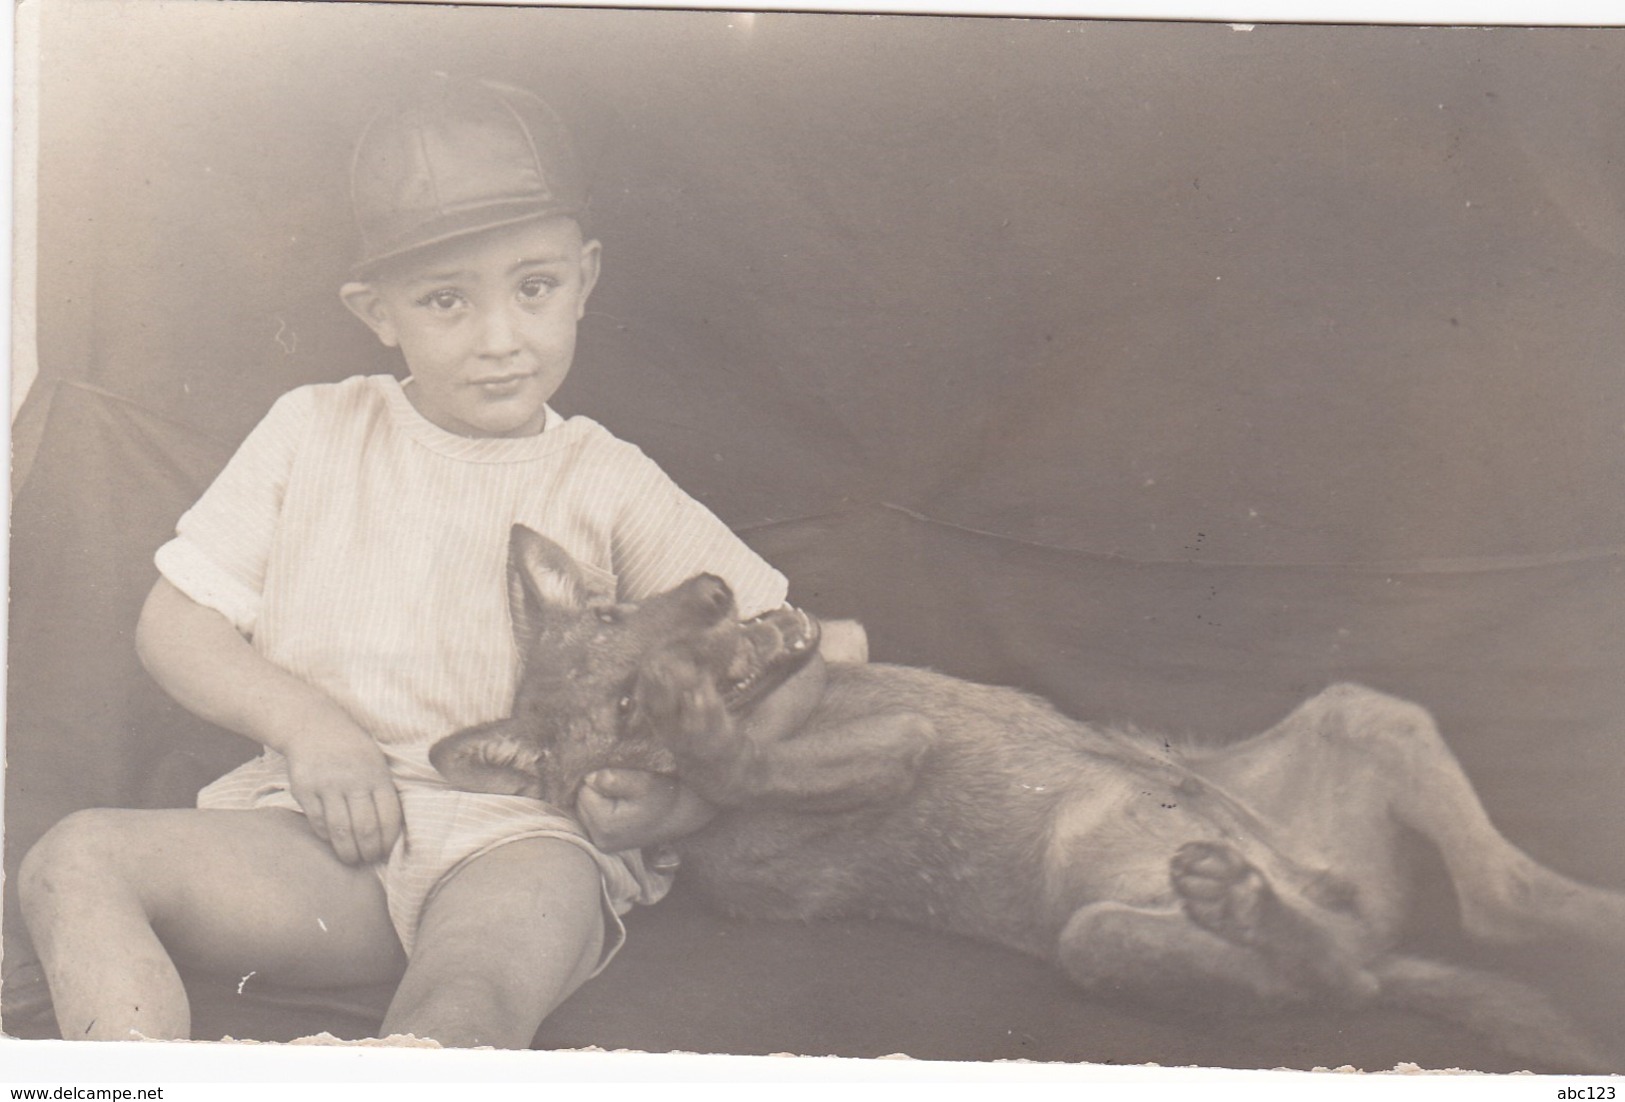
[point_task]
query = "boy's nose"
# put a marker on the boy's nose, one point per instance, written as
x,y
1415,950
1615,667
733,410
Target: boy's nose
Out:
x,y
499,336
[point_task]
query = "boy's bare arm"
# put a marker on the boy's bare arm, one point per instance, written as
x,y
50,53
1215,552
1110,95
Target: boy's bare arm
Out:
x,y
338,774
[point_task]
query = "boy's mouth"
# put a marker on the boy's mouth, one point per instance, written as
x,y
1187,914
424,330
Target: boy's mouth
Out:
x,y
501,385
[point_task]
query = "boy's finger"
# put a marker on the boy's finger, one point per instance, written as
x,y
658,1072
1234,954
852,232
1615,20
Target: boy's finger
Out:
x,y
339,833
312,807
590,803
365,833
595,814
622,784
604,783
388,804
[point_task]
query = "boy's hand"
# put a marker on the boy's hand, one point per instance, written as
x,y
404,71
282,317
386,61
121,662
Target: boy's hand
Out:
x,y
337,773
843,641
341,779
631,808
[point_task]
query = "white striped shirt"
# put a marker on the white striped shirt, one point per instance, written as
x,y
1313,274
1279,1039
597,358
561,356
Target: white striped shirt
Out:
x,y
364,549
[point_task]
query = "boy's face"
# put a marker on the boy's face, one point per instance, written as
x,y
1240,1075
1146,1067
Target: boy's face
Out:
x,y
486,324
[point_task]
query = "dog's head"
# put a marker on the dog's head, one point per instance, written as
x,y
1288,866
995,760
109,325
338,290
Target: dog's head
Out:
x,y
596,688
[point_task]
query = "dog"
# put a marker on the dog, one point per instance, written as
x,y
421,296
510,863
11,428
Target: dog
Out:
x,y
1264,873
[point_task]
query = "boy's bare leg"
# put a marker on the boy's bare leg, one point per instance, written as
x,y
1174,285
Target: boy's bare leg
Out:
x,y
114,899
505,940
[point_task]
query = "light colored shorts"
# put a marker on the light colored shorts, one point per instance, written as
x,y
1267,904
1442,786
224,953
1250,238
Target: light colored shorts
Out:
x,y
445,828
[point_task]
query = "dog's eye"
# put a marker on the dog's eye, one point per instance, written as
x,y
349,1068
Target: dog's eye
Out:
x,y
624,705
609,615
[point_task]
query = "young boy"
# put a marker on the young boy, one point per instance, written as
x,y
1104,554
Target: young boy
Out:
x,y
339,596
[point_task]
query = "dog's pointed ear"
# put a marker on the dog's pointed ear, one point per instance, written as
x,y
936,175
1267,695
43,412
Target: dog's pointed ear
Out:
x,y
543,579
490,758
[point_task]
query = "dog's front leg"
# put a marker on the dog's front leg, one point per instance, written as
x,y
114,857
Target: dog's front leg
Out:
x,y
860,762
781,755
774,758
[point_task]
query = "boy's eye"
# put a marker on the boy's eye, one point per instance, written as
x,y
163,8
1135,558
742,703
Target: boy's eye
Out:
x,y
536,287
441,300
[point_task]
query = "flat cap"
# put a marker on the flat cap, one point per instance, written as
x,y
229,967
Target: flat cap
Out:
x,y
456,157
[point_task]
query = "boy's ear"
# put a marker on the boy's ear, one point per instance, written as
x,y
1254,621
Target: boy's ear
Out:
x,y
367,304
591,258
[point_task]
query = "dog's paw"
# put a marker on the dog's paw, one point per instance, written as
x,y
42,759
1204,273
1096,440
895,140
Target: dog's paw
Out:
x,y
678,698
1225,894
1222,892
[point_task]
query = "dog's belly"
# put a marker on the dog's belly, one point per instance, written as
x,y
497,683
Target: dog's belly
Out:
x,y
892,865
975,846
1116,845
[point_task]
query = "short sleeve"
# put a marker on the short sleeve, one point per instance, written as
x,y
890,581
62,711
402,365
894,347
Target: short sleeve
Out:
x,y
664,537
222,544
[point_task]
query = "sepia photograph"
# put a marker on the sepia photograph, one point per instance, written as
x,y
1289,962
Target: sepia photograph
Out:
x,y
1074,540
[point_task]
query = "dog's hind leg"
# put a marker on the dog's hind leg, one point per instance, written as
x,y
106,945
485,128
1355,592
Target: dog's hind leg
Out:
x,y
1164,957
1377,759
1159,956
1513,1015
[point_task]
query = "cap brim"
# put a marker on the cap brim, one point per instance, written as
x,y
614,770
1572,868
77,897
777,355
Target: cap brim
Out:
x,y
463,224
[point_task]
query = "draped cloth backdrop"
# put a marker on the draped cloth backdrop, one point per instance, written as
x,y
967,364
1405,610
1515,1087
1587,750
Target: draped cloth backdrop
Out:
x,y
1172,371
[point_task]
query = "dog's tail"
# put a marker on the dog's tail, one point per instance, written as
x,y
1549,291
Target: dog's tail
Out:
x,y
1512,1015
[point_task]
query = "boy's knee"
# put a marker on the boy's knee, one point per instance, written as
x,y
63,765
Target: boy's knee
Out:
x,y
506,939
513,908
527,884
78,853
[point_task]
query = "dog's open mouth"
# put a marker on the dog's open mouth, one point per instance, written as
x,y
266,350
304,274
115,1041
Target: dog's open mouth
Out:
x,y
773,646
